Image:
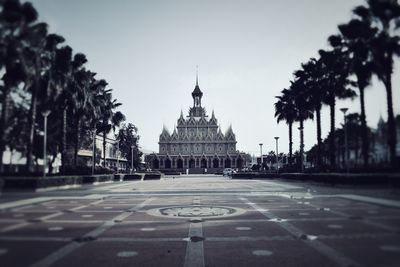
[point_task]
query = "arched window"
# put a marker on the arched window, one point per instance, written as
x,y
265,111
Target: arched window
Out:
x,y
167,163
215,163
228,163
191,164
179,164
239,163
156,164
203,163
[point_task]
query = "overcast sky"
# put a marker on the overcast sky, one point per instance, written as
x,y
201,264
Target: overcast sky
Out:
x,y
246,50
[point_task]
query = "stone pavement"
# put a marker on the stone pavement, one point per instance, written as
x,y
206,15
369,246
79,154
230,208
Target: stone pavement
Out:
x,y
201,221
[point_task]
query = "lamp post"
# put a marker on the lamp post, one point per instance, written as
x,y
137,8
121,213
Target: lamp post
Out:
x,y
45,114
277,162
117,156
132,158
261,156
301,148
94,150
346,148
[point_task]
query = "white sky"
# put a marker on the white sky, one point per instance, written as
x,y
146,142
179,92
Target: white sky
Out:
x,y
246,50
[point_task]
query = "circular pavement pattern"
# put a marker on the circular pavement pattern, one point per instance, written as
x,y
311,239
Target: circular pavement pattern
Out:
x,y
195,211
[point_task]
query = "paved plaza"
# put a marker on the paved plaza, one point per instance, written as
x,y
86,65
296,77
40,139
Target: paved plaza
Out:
x,y
201,221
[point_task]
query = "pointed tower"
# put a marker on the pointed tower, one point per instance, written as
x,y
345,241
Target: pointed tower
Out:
x,y
181,120
197,110
197,94
213,120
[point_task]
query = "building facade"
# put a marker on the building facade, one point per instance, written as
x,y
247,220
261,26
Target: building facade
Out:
x,y
197,144
114,160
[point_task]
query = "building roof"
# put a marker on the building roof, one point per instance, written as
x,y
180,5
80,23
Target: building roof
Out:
x,y
197,91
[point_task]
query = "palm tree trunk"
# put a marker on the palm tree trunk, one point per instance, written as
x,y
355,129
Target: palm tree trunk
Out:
x,y
391,122
290,142
3,120
332,148
64,140
77,137
364,129
319,139
10,169
104,149
31,122
301,145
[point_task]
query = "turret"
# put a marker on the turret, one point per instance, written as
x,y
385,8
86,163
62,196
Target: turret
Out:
x,y
197,94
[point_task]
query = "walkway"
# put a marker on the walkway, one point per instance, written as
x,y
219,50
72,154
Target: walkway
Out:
x,y
200,221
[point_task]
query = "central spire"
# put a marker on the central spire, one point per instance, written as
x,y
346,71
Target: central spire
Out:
x,y
197,93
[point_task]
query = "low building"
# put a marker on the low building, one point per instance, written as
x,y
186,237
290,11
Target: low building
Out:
x,y
113,156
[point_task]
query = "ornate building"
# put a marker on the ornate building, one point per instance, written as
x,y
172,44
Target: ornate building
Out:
x,y
197,143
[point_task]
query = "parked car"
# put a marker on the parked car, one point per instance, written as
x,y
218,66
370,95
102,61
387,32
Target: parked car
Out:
x,y
228,172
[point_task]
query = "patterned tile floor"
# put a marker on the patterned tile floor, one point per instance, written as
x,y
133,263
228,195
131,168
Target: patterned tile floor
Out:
x,y
210,221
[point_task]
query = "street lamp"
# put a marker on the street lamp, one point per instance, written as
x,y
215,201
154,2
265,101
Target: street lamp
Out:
x,y
94,150
346,148
132,158
261,157
45,114
117,156
277,162
301,148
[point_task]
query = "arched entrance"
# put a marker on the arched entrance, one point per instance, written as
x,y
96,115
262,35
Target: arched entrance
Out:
x,y
228,163
167,163
156,164
239,163
203,163
191,164
179,163
216,163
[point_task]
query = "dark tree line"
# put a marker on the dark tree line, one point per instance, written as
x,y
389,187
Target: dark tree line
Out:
x,y
363,47
40,73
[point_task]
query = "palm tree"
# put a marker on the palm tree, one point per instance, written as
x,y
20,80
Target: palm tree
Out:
x,y
22,41
63,69
285,111
80,81
109,119
385,15
312,75
357,36
303,109
335,82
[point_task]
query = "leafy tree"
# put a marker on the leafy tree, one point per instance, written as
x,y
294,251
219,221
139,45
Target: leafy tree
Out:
x,y
128,137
